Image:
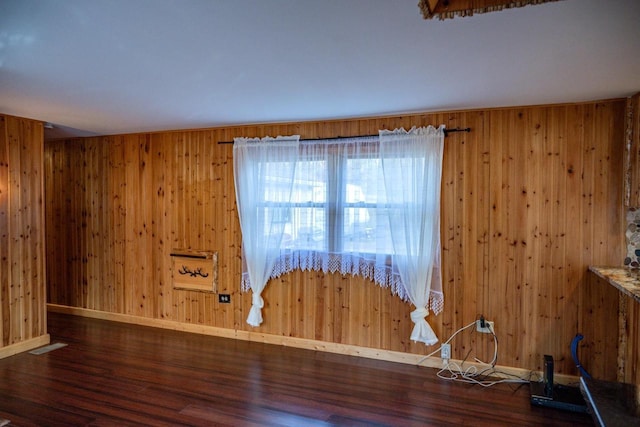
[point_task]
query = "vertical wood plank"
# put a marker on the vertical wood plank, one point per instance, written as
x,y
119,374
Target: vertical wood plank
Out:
x,y
573,218
5,315
22,251
632,151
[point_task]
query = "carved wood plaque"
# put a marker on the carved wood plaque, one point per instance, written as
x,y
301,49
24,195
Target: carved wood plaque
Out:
x,y
195,270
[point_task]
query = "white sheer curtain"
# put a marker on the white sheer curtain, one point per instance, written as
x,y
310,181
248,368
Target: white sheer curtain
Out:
x,y
412,164
263,173
335,224
326,206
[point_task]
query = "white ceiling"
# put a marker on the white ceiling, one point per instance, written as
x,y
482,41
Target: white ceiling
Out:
x,y
120,66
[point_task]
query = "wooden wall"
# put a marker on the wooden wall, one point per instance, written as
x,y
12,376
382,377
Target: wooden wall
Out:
x,y
629,353
22,265
632,196
531,197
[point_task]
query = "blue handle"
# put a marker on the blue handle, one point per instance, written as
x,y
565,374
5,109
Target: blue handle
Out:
x,y
574,354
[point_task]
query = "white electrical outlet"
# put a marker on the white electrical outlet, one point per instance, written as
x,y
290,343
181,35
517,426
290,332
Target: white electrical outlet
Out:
x,y
488,327
445,351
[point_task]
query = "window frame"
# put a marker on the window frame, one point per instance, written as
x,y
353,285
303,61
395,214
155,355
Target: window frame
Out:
x,y
335,205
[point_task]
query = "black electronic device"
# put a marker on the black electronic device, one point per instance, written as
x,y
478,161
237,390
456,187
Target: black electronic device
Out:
x,y
548,375
547,393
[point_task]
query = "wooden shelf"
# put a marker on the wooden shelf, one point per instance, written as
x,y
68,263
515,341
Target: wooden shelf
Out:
x,y
616,403
624,279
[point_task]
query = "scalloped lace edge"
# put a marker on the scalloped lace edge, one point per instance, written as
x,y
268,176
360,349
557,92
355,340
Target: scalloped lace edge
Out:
x,y
383,276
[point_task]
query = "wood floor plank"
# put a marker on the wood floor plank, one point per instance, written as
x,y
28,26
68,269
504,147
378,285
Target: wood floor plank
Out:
x,y
127,375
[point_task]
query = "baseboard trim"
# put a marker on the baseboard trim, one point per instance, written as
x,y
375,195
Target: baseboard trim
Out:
x,y
23,346
344,349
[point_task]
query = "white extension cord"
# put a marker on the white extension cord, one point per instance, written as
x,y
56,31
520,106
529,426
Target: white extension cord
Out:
x,y
452,371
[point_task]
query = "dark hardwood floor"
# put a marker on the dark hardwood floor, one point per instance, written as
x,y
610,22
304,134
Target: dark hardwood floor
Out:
x,y
113,374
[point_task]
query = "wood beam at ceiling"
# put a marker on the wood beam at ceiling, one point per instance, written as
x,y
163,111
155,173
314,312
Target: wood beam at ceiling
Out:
x,y
443,9
432,4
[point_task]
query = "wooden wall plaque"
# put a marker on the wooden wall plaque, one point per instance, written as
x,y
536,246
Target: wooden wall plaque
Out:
x,y
195,270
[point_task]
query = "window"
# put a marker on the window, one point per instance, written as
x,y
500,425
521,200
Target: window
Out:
x,y
336,192
329,206
335,200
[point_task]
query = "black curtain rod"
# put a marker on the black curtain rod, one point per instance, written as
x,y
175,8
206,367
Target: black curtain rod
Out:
x,y
446,133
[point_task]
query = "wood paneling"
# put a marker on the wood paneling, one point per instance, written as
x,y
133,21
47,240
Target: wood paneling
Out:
x,y
531,197
447,9
632,178
629,342
22,265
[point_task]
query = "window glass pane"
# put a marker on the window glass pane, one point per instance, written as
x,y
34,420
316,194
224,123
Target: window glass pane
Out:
x,y
364,228
310,182
336,211
307,225
278,176
274,218
306,229
363,178
358,230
